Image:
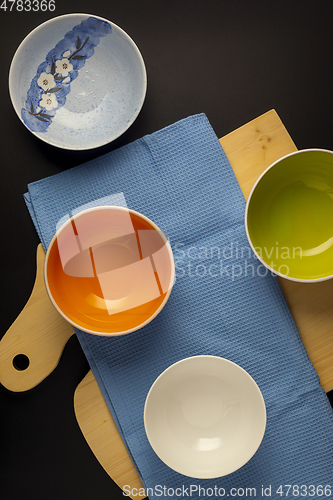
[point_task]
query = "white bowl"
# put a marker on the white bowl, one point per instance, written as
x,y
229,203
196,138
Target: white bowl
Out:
x,y
77,81
205,417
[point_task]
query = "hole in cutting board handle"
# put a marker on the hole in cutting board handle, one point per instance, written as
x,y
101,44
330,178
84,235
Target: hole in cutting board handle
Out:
x,y
21,362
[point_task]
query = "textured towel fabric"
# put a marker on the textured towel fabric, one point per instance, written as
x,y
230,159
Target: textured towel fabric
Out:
x,y
223,303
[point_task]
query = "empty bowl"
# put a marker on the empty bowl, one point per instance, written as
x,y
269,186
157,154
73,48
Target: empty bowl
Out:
x,y
205,417
77,81
289,216
109,270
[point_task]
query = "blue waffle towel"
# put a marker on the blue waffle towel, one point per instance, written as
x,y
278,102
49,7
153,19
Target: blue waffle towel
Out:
x,y
223,303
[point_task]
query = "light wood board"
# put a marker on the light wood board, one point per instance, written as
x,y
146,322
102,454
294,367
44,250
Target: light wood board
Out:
x,y
40,332
250,150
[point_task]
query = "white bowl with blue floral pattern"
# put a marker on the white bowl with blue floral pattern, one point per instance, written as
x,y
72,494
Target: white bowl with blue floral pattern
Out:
x,y
77,81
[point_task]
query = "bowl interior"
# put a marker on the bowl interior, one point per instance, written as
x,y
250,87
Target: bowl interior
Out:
x,y
109,270
290,214
205,417
77,81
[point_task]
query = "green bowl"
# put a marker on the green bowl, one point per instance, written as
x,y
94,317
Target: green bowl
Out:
x,y
289,216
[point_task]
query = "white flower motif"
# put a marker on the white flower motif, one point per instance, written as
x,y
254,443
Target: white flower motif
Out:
x,y
46,81
67,53
67,80
63,67
48,101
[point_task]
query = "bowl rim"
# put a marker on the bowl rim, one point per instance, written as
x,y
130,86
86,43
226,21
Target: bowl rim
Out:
x,y
223,360
53,20
273,271
87,330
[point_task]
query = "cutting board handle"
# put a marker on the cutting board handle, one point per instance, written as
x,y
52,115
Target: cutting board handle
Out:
x,y
32,346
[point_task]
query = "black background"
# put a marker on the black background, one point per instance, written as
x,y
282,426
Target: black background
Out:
x,y
232,60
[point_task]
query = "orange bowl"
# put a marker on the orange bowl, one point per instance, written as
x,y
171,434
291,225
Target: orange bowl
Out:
x,y
109,270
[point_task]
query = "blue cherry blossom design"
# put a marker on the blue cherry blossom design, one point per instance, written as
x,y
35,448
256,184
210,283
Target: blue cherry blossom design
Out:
x,y
50,86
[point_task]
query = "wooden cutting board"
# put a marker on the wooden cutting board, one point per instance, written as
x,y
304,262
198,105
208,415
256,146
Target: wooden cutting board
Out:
x,y
40,334
250,150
